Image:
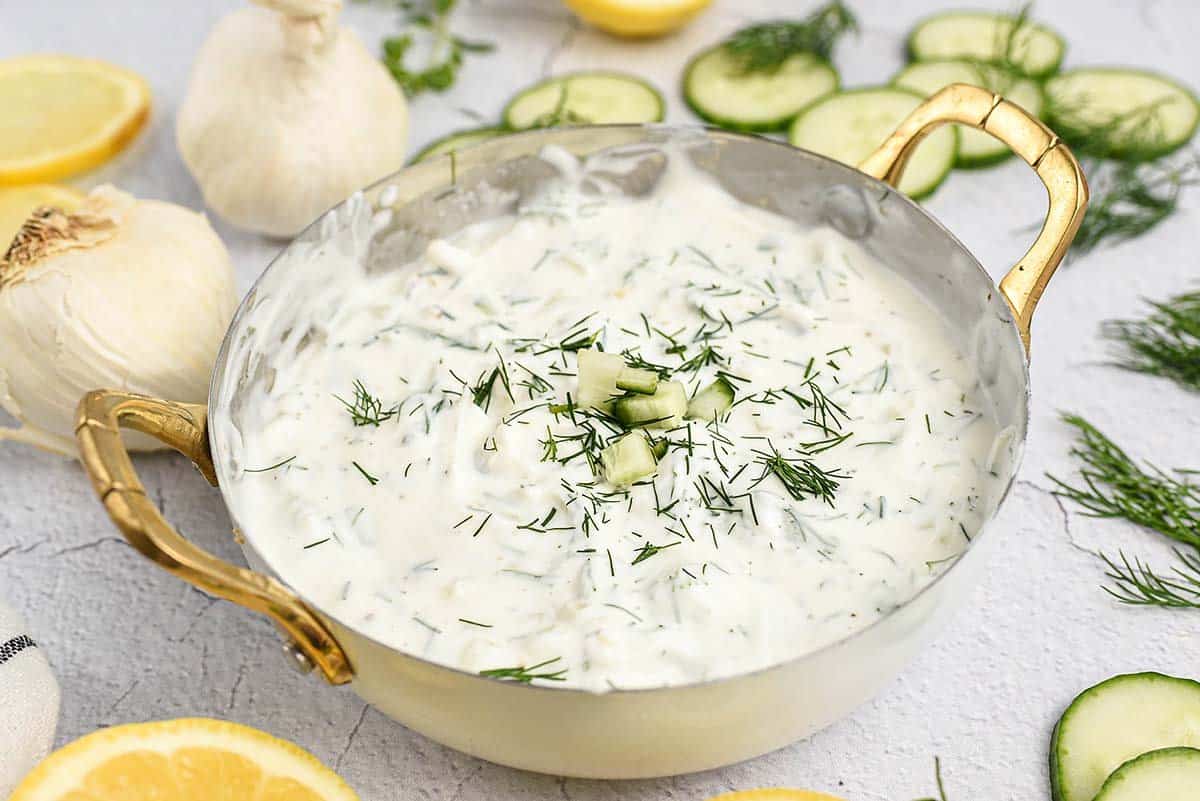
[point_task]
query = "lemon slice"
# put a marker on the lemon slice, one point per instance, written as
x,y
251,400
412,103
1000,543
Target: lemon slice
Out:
x,y
774,794
637,17
18,202
64,115
190,759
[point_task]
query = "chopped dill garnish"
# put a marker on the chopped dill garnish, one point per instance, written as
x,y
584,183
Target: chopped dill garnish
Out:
x,y
481,393
799,475
1137,584
1166,343
275,466
318,542
474,623
649,549
1113,485
766,46
525,675
372,480
366,409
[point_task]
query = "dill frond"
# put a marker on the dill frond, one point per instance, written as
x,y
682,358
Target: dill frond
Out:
x,y
1114,486
766,46
1129,200
1166,343
1137,584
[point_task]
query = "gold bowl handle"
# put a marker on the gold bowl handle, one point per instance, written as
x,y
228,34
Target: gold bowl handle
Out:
x,y
1032,141
183,427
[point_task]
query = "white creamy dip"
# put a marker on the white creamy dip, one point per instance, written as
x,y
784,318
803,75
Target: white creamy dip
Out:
x,y
447,506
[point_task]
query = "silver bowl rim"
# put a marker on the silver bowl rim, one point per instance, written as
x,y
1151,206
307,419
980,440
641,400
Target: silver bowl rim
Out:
x,y
711,133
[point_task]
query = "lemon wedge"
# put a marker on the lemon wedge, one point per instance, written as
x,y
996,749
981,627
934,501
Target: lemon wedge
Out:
x,y
774,794
190,759
63,115
637,17
18,202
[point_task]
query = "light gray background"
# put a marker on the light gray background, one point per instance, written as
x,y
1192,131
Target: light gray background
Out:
x,y
131,643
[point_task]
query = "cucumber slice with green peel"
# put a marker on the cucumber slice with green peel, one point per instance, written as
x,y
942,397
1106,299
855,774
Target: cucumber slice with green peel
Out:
x,y
1126,114
1029,47
721,92
628,459
1168,774
1115,721
712,401
632,379
975,148
598,373
664,409
457,141
849,126
584,98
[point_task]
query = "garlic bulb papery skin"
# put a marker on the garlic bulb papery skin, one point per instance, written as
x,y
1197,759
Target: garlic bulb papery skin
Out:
x,y
287,114
121,294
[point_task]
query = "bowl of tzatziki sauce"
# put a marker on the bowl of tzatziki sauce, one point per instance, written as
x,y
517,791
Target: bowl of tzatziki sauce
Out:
x,y
621,451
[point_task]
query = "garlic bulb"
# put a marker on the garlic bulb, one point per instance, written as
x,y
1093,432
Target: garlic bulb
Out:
x,y
287,114
121,293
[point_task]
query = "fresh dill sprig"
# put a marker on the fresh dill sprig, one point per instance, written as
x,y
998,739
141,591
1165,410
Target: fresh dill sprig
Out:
x,y
766,46
525,675
649,549
1166,343
1129,200
1113,485
446,49
799,475
1137,584
937,772
366,409
481,392
275,466
372,480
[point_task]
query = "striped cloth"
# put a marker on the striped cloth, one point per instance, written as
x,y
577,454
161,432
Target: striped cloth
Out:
x,y
28,701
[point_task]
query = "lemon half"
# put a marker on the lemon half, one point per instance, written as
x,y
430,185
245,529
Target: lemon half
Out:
x,y
774,794
190,759
63,115
638,17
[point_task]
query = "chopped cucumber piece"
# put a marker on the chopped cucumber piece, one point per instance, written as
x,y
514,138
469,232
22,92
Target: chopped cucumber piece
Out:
x,y
660,446
598,373
982,36
457,141
628,459
664,409
975,148
1168,774
712,401
849,126
719,91
632,379
1121,113
584,98
1118,719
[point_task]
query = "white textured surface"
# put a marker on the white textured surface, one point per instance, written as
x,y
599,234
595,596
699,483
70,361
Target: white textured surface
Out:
x,y
131,643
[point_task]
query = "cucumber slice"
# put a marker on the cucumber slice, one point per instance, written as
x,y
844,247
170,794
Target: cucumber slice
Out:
x,y
598,373
628,459
975,148
848,126
1121,113
457,141
712,401
716,88
1034,49
1117,720
1168,774
643,382
585,98
664,409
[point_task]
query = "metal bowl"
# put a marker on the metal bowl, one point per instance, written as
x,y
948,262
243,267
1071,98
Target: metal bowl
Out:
x,y
621,733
